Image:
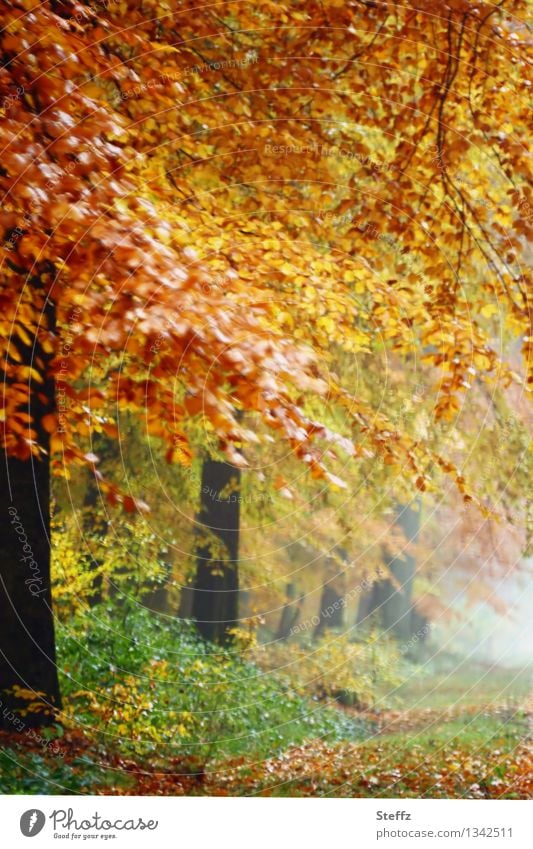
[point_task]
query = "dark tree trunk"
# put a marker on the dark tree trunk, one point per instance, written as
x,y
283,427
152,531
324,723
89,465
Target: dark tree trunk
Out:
x,y
367,605
396,604
186,602
216,587
331,613
391,600
27,643
289,615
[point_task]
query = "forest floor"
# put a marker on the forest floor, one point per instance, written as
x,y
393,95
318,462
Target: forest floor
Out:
x,y
462,736
453,741
470,755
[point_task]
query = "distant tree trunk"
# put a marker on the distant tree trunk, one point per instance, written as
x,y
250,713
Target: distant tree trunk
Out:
x,y
368,603
397,603
390,600
156,597
27,641
216,586
420,630
289,615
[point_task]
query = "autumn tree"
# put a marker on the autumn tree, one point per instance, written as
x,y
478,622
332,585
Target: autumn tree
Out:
x,y
84,275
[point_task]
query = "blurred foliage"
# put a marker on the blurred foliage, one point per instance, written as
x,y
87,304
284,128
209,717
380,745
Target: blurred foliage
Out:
x,y
337,666
83,561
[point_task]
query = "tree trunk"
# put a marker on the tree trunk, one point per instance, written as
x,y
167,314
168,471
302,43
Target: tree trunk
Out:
x,y
331,613
186,602
27,642
392,604
396,603
216,587
368,603
290,614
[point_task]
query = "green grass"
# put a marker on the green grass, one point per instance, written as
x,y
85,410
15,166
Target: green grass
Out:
x,y
28,773
467,684
477,732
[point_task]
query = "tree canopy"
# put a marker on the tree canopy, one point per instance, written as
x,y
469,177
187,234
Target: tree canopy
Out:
x,y
221,211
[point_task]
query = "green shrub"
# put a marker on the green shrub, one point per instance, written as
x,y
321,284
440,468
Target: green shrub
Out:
x,y
150,686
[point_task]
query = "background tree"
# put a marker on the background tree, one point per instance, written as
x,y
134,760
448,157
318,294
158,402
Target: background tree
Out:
x,y
215,604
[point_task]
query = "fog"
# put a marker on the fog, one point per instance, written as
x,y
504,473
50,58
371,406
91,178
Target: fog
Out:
x,y
499,637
